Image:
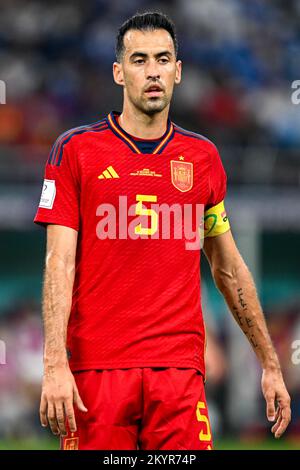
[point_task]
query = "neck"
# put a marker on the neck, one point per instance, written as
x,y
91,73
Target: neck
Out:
x,y
142,125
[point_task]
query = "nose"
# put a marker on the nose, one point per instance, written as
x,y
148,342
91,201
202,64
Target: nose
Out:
x,y
152,70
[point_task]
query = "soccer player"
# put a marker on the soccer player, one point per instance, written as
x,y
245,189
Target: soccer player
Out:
x,y
124,333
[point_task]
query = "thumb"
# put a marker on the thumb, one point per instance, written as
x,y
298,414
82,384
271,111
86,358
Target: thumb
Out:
x,y
78,401
270,399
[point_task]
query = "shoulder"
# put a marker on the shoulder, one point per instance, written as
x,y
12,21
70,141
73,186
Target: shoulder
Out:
x,y
199,140
76,134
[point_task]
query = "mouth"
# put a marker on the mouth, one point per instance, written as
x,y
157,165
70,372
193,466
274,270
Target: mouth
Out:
x,y
153,91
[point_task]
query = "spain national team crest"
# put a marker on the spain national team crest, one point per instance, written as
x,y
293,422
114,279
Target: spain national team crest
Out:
x,y
182,175
71,443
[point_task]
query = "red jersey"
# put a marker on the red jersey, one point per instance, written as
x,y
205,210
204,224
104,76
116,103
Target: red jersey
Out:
x,y
136,296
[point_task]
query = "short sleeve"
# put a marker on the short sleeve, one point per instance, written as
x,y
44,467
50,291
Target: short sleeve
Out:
x,y
217,180
59,202
215,217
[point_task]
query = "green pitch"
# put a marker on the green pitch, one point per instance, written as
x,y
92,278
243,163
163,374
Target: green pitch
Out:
x,y
224,444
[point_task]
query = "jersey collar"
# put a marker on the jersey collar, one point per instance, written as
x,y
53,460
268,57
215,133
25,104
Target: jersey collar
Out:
x,y
127,139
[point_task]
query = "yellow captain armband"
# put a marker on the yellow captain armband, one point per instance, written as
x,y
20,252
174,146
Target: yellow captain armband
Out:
x,y
216,221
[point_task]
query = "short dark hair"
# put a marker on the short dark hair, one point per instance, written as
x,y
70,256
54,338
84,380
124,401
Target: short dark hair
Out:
x,y
147,21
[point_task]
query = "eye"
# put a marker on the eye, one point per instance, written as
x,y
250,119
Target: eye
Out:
x,y
163,60
139,61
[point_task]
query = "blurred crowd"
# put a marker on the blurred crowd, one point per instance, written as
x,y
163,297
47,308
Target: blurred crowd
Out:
x,y
240,59
20,370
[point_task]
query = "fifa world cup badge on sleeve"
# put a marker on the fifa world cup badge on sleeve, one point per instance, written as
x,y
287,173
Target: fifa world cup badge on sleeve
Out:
x,y
48,194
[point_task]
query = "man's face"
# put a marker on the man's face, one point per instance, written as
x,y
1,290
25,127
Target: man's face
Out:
x,y
148,70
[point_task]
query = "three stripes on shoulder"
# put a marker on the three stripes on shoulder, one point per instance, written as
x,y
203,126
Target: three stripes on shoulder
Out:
x,y
108,173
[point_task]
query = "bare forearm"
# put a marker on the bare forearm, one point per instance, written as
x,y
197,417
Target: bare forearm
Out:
x,y
238,289
235,282
57,298
59,391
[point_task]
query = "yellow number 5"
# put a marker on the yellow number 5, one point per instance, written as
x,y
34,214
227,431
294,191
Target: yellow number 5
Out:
x,y
139,230
203,435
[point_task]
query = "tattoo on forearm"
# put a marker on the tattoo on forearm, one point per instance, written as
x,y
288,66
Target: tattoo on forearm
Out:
x,y
241,298
246,323
237,315
252,340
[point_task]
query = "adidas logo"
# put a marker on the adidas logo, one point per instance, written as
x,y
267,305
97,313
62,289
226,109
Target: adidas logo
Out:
x,y
108,173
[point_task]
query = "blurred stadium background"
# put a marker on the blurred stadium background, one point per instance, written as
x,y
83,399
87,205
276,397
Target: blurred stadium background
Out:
x,y
240,59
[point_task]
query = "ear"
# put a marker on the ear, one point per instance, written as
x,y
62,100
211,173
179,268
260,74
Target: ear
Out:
x,y
118,73
178,72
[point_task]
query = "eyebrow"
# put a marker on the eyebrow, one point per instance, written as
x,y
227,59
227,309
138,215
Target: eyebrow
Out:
x,y
143,54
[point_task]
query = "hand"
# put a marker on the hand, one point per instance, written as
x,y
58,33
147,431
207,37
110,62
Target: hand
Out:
x,y
276,395
59,392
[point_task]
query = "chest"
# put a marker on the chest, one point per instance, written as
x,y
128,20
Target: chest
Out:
x,y
173,177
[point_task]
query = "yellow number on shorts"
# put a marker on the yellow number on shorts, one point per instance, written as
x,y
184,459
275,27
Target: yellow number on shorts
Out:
x,y
203,435
139,230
